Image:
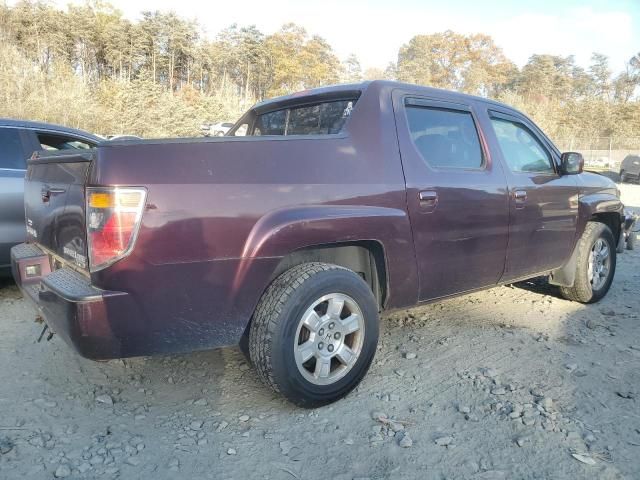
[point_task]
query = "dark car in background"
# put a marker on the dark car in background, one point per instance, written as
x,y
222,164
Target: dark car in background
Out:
x,y
630,168
18,140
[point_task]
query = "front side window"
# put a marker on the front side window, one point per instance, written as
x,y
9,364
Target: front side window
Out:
x,y
521,150
11,153
318,119
445,138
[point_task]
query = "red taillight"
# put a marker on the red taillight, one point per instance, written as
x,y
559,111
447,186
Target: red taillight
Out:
x,y
113,220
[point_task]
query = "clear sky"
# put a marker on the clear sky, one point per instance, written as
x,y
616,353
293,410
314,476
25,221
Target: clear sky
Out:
x,y
375,29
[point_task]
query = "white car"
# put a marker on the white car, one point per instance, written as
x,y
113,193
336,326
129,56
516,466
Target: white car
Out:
x,y
216,129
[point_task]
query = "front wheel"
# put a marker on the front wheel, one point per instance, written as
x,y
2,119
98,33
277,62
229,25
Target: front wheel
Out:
x,y
595,264
314,333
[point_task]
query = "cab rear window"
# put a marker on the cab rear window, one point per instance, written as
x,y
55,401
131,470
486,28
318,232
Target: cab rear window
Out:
x,y
323,118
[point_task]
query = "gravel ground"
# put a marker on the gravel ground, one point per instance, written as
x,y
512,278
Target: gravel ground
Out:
x,y
510,383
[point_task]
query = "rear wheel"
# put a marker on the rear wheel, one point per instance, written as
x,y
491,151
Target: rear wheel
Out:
x,y
595,264
314,333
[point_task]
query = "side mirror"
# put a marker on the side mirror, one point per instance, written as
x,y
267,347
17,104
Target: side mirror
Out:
x,y
571,163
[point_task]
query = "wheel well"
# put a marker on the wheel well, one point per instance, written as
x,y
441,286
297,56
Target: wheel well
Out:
x,y
610,219
366,258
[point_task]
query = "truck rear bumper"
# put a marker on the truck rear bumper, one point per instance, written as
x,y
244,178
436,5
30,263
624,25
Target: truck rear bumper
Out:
x,y
70,305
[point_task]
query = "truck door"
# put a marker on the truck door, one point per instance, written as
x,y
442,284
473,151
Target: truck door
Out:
x,y
543,204
456,196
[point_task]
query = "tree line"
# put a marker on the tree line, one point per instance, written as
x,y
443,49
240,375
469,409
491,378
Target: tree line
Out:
x,y
90,67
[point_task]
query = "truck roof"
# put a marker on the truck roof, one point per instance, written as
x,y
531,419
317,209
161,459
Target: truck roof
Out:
x,y
354,88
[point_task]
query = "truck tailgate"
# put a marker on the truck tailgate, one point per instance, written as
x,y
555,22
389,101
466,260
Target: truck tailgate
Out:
x,y
55,203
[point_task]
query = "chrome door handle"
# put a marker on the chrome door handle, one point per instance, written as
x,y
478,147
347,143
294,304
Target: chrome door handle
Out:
x,y
520,196
428,196
428,200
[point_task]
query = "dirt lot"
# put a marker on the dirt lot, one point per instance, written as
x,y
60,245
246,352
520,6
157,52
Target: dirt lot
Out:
x,y
509,383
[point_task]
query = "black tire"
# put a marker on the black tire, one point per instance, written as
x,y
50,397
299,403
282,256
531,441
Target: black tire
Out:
x,y
623,177
276,320
582,290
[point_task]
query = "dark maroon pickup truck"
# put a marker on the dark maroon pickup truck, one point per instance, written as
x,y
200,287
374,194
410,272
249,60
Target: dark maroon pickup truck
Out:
x,y
316,212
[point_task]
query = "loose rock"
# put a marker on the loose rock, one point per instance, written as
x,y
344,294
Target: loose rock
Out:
x,y
405,441
444,441
6,445
546,402
62,471
104,399
586,459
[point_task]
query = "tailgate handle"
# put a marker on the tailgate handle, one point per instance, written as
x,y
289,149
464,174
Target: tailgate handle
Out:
x,y
47,192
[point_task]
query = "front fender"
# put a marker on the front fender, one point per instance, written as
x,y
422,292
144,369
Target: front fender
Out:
x,y
284,231
597,203
601,202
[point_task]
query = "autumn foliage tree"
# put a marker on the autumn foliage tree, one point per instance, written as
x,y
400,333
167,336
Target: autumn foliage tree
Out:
x,y
90,67
469,63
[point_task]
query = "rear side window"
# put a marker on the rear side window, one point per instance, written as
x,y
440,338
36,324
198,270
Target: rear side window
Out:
x,y
521,150
319,119
11,152
445,138
272,123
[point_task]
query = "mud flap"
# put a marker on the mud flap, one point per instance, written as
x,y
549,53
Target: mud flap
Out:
x,y
565,276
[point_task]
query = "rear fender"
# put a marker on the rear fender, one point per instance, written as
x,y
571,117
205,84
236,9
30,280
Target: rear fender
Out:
x,y
282,232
